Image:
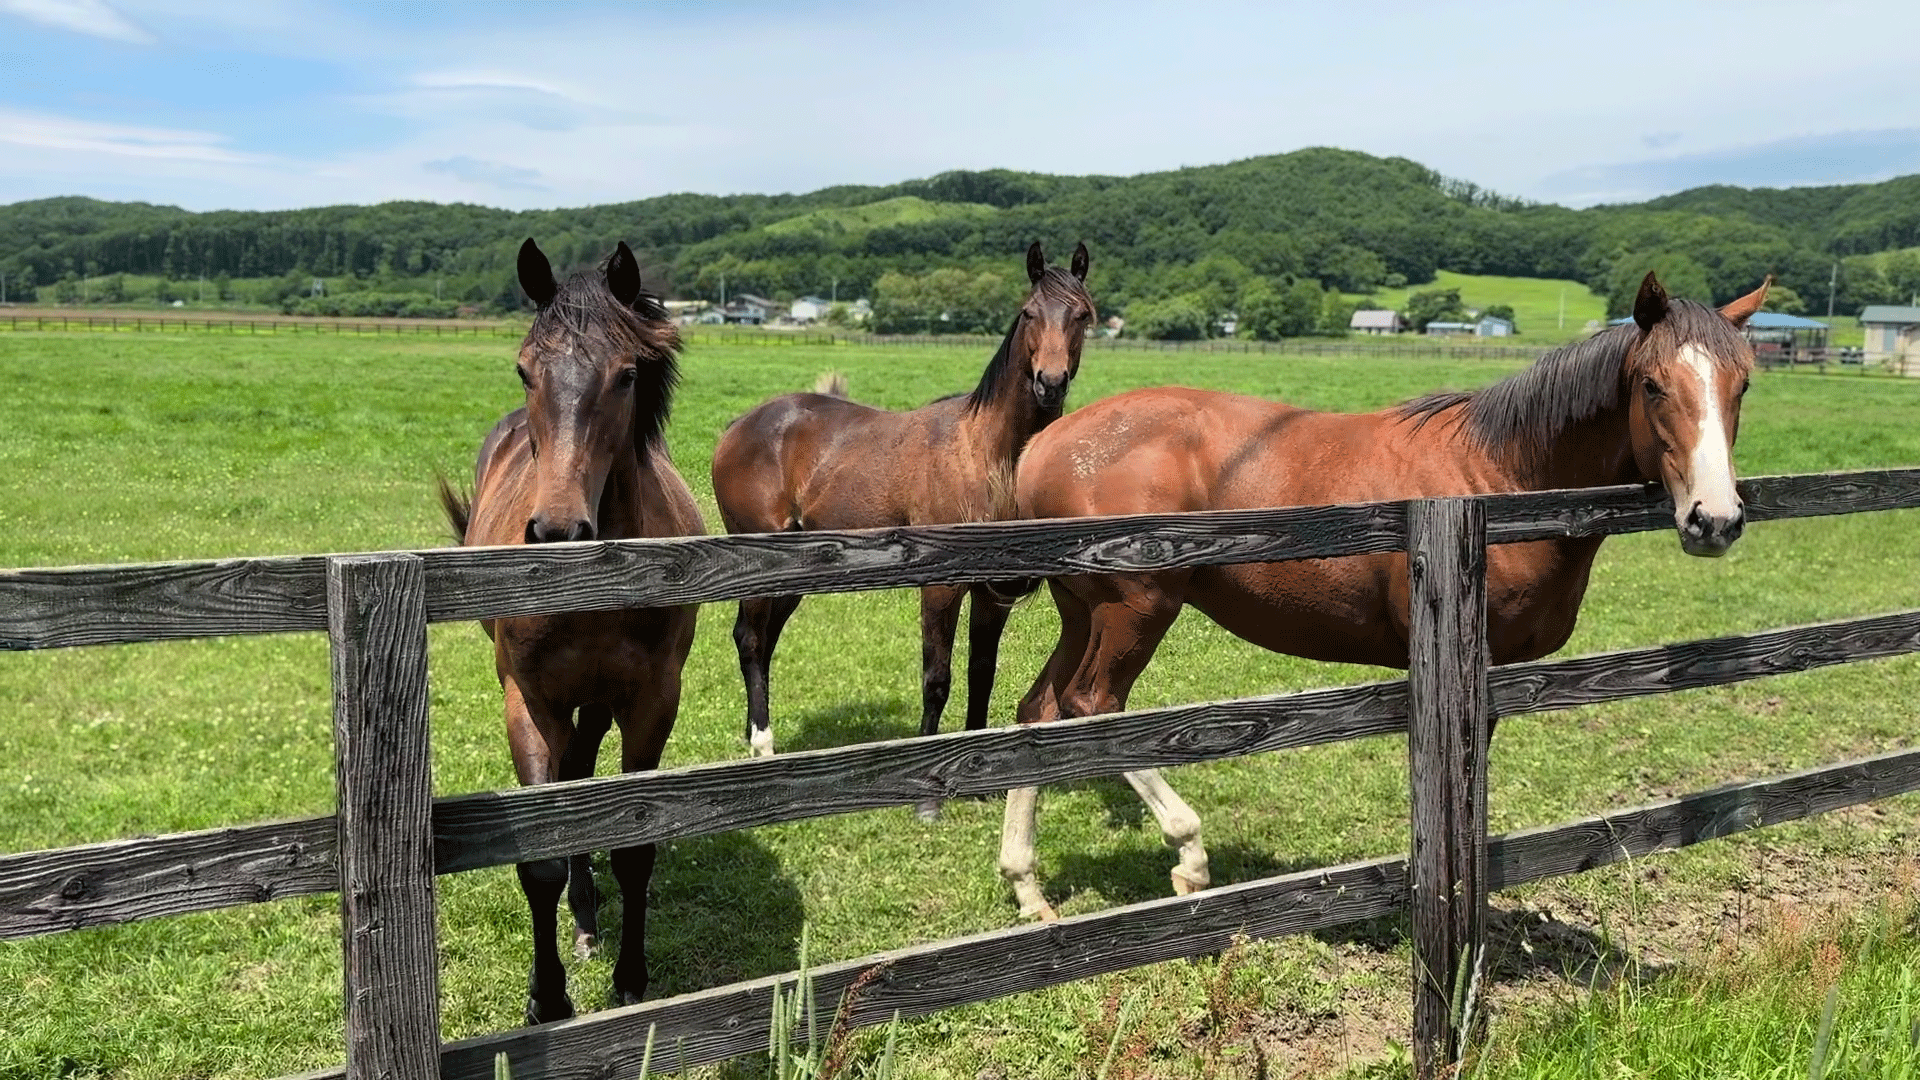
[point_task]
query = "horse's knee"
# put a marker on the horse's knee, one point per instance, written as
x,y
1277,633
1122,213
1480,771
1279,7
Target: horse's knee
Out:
x,y
543,878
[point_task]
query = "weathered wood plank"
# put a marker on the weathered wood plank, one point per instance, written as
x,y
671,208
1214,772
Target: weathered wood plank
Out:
x,y
57,608
187,872
46,892
496,828
1447,760
727,1021
377,623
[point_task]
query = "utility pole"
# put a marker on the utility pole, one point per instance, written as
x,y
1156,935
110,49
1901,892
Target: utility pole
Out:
x,y
3,288
834,295
1563,309
436,290
1833,280
723,290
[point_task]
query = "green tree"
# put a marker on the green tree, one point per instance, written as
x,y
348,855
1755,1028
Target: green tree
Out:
x,y
1178,318
1262,312
1336,314
1681,275
1434,305
1784,300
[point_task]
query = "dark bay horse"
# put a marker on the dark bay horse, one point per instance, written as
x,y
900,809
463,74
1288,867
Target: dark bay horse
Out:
x,y
584,459
1657,399
816,461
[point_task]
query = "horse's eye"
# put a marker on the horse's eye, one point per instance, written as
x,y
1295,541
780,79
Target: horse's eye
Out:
x,y
628,375
526,380
1745,385
1652,388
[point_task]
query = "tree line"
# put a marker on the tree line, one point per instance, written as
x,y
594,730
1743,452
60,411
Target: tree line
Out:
x,y
1274,241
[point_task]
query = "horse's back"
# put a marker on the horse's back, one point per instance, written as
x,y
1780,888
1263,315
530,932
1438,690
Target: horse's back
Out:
x,y
812,461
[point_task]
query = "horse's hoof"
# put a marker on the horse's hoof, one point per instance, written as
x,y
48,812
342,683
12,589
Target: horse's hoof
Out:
x,y
619,998
927,810
538,1013
761,743
1041,912
1186,886
585,945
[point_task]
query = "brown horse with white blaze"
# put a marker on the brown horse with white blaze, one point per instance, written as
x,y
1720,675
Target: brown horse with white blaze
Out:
x,y
805,462
584,459
1654,400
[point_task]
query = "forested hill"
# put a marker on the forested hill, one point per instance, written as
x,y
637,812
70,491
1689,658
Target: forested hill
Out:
x,y
1348,221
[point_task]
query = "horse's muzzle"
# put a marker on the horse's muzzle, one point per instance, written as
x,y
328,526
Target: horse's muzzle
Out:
x,y
541,530
1710,535
1049,393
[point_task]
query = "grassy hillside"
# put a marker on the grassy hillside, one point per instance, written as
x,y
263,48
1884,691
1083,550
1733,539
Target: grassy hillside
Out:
x,y
1537,302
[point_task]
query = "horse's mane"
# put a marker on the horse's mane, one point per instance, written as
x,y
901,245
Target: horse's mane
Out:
x,y
1524,414
642,330
1055,284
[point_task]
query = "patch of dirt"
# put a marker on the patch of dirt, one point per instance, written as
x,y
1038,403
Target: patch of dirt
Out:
x,y
1558,940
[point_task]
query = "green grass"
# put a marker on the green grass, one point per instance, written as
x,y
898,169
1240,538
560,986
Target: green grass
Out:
x,y
1536,302
129,447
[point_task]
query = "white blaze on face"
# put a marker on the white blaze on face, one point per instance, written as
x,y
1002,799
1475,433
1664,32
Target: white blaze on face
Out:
x,y
1710,469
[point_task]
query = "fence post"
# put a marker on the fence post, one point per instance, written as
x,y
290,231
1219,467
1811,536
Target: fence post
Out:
x,y
1447,756
377,623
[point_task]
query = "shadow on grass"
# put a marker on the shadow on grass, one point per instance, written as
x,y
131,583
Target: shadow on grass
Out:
x,y
722,910
869,720
1132,876
1523,945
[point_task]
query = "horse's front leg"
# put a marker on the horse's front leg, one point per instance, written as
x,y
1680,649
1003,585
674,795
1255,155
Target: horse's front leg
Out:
x,y
539,735
583,896
986,622
939,620
644,726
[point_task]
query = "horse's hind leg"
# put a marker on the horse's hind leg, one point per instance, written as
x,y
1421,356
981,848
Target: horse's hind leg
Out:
x,y
539,739
1179,824
583,896
755,633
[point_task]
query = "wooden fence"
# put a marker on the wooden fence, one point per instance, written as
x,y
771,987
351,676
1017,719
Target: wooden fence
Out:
x,y
389,838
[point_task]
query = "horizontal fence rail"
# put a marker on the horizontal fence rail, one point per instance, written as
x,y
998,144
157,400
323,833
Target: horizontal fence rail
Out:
x,y
57,608
47,892
728,1021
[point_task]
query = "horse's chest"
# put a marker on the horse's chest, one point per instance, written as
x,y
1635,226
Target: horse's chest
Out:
x,y
591,656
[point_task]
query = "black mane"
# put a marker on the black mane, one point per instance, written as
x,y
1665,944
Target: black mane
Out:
x,y
1523,415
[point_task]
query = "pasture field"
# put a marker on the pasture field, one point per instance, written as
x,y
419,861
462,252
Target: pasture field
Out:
x,y
1536,302
132,448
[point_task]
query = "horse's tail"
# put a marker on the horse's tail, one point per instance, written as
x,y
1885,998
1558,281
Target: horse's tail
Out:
x,y
459,508
831,383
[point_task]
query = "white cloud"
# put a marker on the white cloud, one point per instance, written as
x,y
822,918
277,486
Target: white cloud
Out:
x,y
116,140
92,17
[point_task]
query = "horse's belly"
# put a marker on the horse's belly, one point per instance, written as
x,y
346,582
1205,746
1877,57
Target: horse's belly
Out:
x,y
1321,609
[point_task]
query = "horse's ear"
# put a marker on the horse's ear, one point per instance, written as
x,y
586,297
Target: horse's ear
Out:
x,y
1036,263
1742,309
1650,306
536,275
623,275
1080,261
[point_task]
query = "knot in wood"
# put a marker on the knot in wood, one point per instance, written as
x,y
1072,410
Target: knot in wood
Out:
x,y
76,887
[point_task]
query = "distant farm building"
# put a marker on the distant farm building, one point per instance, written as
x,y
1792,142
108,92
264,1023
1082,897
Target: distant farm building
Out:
x,y
1493,326
747,309
1893,336
1452,329
809,309
1376,321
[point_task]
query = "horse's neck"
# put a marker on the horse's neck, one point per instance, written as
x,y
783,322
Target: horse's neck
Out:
x,y
1592,453
1001,427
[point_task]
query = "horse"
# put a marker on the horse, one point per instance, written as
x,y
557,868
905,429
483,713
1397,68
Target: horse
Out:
x,y
804,462
585,459
1653,400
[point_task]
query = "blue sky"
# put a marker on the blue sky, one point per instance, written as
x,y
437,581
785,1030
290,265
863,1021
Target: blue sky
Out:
x,y
274,103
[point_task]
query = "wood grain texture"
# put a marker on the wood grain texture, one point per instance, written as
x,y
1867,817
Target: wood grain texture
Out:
x,y
46,892
732,1020
1447,759
57,608
377,623
187,872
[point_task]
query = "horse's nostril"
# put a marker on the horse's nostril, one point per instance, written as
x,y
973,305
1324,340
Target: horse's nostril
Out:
x,y
581,531
533,530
